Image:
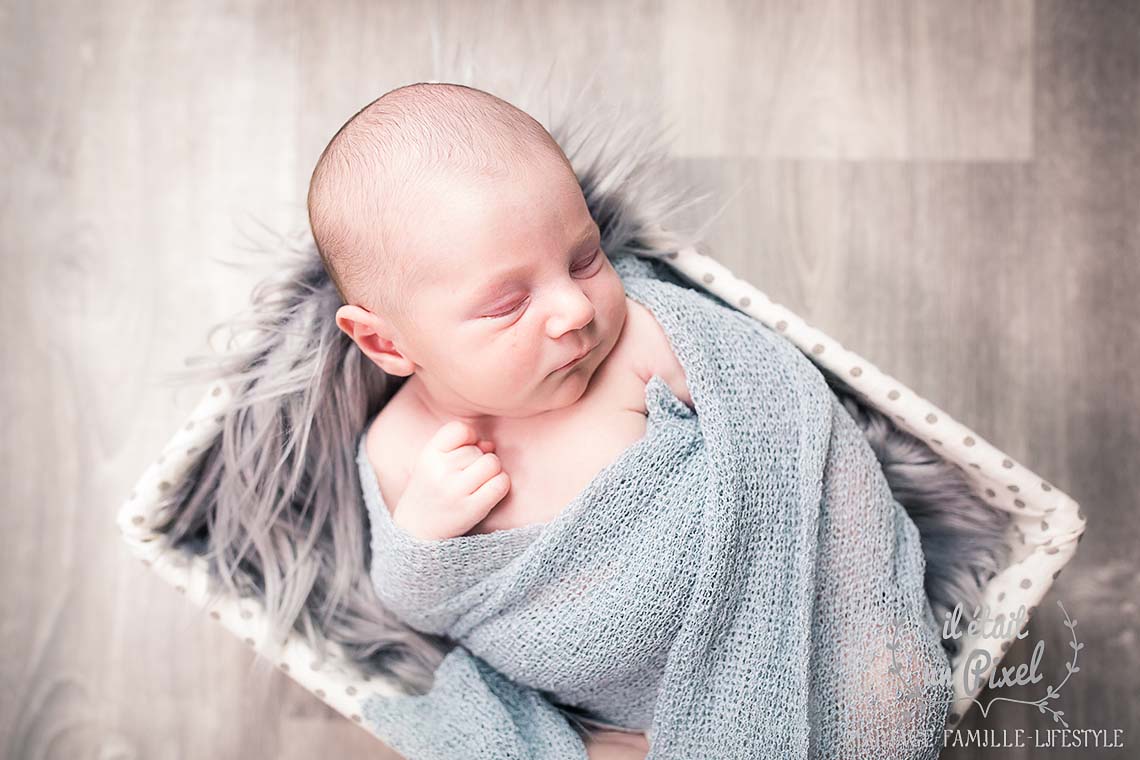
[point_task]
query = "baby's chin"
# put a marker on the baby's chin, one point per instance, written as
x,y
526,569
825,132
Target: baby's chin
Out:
x,y
570,385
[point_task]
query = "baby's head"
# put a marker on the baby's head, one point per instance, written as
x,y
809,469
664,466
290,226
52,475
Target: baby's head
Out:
x,y
458,237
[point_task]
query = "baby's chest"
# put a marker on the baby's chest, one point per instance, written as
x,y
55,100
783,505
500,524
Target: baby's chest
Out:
x,y
551,464
548,462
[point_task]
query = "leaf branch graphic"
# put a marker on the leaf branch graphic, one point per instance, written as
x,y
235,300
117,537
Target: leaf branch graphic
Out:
x,y
911,692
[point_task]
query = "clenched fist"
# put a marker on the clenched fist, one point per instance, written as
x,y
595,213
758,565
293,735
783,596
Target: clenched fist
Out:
x,y
455,482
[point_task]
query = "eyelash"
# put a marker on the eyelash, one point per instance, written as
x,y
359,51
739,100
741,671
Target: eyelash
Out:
x,y
517,306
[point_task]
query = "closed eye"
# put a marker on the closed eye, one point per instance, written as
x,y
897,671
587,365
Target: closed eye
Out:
x,y
583,267
511,310
589,262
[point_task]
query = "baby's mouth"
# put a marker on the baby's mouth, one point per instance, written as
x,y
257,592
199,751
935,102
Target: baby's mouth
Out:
x,y
576,359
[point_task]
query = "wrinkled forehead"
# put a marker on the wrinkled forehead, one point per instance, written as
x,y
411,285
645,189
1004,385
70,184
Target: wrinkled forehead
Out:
x,y
465,230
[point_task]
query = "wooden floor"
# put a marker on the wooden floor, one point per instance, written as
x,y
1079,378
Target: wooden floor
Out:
x,y
951,189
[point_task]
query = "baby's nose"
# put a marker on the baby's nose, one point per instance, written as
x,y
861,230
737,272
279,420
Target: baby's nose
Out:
x,y
572,312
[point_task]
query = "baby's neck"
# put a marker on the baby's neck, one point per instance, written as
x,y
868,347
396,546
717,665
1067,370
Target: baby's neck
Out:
x,y
487,425
432,408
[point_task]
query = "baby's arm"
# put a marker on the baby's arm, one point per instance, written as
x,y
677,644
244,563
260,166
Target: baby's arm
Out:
x,y
616,745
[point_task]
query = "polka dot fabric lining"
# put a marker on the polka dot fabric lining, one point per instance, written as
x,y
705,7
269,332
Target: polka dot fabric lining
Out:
x,y
1046,524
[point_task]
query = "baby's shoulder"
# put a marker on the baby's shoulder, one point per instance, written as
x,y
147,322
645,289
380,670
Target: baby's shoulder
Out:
x,y
386,444
652,353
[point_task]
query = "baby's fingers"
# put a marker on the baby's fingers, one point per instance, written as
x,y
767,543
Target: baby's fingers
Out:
x,y
488,495
479,472
453,435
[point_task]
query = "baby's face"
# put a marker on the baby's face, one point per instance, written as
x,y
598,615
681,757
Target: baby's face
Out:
x,y
515,285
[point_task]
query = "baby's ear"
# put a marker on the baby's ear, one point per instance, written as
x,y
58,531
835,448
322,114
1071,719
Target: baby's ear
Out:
x,y
374,336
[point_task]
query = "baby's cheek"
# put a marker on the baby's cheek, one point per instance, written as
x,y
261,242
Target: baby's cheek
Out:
x,y
504,370
618,310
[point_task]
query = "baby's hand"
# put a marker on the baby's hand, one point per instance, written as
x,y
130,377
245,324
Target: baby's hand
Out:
x,y
453,485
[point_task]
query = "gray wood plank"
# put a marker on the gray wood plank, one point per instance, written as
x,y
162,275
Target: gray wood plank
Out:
x,y
947,188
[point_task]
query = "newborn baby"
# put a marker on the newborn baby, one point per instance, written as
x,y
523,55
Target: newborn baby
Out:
x,y
482,281
458,236
542,492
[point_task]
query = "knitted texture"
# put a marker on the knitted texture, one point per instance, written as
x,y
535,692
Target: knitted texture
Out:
x,y
738,583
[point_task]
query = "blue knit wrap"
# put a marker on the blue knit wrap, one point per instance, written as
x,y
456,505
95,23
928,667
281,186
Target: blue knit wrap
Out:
x,y
738,583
